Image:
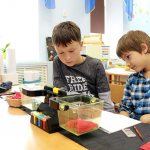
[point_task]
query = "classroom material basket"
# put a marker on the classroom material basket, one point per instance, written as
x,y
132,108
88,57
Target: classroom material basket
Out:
x,y
13,102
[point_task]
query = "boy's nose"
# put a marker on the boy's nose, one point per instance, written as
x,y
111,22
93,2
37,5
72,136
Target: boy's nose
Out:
x,y
68,57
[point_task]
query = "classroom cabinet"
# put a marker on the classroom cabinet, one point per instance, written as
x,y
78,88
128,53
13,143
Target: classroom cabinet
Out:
x,y
97,18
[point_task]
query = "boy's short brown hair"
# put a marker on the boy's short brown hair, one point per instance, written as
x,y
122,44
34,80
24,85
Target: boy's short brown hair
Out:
x,y
131,41
66,32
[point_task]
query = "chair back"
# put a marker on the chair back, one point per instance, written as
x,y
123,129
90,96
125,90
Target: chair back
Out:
x,y
116,92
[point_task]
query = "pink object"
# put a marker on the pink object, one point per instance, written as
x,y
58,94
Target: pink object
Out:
x,y
17,95
81,126
146,146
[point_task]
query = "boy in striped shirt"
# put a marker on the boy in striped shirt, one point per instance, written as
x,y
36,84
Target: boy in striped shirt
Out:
x,y
134,49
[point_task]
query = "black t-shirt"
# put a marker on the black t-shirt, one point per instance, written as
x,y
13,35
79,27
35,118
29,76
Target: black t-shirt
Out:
x,y
88,77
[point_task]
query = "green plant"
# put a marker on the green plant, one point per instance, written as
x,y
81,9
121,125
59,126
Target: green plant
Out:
x,y
4,49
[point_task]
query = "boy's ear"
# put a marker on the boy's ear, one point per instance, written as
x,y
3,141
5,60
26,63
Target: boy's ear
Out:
x,y
144,48
81,43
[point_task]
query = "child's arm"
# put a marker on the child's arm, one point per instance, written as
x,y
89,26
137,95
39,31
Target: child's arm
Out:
x,y
102,87
126,106
108,104
145,118
58,76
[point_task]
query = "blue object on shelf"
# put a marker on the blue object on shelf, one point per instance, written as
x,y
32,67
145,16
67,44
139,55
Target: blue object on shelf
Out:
x,y
129,8
89,6
34,81
50,4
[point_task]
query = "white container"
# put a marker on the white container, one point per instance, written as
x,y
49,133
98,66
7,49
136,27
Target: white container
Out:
x,y
31,75
10,61
13,77
1,63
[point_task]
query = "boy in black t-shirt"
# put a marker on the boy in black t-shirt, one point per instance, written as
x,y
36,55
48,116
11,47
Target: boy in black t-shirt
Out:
x,y
75,72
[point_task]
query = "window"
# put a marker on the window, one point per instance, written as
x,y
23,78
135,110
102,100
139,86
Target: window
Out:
x,y
19,27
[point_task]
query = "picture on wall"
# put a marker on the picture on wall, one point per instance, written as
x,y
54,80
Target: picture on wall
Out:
x,y
50,49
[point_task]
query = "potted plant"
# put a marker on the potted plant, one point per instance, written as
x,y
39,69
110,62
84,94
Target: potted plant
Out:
x,y
4,50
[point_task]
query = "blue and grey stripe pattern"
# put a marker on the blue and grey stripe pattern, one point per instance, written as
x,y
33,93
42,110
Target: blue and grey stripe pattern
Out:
x,y
136,99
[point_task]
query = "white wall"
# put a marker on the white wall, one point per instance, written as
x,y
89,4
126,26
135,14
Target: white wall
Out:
x,y
113,24
19,27
141,17
117,23
75,10
48,18
26,28
26,24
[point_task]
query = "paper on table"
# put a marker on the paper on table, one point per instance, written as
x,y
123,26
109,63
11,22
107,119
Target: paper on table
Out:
x,y
111,122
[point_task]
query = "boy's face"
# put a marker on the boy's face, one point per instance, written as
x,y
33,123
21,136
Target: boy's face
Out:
x,y
70,54
135,60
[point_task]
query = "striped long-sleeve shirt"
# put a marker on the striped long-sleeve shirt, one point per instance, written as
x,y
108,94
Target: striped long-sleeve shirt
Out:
x,y
136,99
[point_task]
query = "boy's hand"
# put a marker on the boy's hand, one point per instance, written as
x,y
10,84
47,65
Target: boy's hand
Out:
x,y
124,113
145,118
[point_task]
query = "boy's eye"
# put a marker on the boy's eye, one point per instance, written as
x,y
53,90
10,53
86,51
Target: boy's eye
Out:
x,y
61,53
71,51
128,56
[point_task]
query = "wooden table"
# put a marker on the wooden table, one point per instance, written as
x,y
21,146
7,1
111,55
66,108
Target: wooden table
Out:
x,y
17,133
117,75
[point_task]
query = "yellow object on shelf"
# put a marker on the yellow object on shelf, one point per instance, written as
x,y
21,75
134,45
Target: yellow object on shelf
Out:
x,y
93,39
